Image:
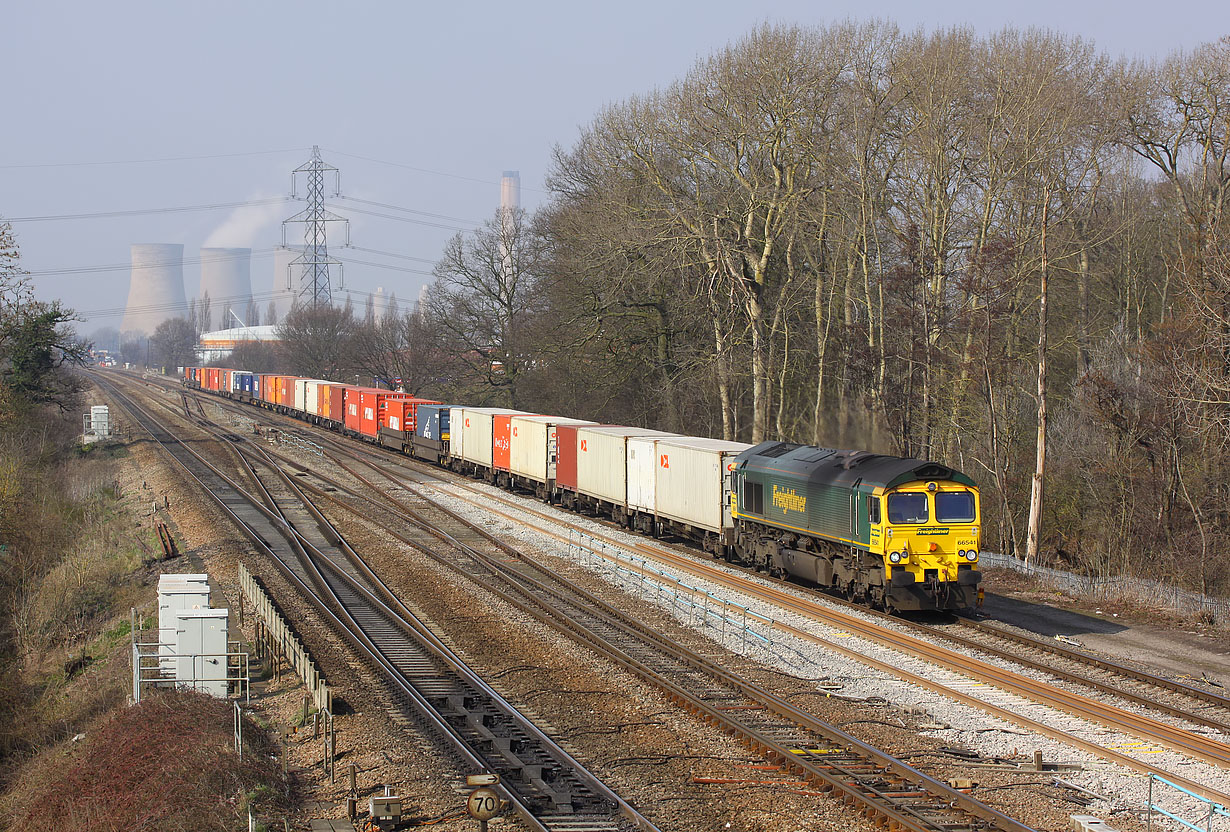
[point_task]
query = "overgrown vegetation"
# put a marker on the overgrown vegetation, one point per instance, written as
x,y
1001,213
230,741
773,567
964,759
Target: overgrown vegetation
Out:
x,y
166,764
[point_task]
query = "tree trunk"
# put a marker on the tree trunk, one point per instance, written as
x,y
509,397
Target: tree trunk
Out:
x,y
1035,493
723,379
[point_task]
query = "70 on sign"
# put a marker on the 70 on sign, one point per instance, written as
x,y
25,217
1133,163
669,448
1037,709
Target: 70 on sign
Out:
x,y
483,805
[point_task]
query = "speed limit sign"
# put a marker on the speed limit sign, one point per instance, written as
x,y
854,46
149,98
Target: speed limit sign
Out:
x,y
484,804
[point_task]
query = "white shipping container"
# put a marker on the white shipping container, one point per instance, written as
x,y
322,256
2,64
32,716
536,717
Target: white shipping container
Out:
x,y
301,393
200,650
602,461
643,470
477,423
533,451
457,432
692,483
311,395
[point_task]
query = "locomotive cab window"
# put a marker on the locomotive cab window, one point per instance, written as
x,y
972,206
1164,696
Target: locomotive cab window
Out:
x,y
873,510
907,507
954,507
753,497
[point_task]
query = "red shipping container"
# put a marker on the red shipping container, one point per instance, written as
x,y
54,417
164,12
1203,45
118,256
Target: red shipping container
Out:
x,y
566,463
402,414
501,442
353,411
286,391
373,403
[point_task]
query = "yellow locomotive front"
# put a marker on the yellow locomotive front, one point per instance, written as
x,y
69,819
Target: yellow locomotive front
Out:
x,y
929,535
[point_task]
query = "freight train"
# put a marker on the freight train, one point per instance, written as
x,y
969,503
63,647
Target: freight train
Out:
x,y
899,534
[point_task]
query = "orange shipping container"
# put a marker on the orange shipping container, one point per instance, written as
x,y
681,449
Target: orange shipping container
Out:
x,y
501,442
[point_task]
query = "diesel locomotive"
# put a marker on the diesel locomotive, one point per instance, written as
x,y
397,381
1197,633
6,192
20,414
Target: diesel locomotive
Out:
x,y
899,534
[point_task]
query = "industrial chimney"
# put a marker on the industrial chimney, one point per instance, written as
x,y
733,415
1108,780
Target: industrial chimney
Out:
x,y
156,288
226,274
510,202
510,190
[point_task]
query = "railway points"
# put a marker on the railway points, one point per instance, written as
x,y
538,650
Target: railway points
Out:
x,y
547,787
403,465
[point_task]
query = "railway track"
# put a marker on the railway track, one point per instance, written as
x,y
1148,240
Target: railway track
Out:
x,y
1211,750
550,790
883,787
1154,682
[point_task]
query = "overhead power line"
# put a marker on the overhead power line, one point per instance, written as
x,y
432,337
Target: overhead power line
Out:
x,y
140,211
392,254
118,267
385,266
407,210
147,161
214,303
426,170
399,219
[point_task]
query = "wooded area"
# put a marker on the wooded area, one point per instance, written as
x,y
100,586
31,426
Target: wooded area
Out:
x,y
1006,253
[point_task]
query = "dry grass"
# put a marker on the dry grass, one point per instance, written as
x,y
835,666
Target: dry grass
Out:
x,y
167,764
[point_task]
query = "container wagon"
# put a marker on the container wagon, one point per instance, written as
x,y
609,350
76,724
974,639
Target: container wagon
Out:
x,y
431,434
592,473
534,451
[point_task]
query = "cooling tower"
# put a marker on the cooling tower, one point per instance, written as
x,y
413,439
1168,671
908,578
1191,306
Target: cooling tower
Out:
x,y
282,296
156,289
226,273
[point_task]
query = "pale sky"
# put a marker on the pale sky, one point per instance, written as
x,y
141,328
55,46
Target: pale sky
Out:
x,y
451,93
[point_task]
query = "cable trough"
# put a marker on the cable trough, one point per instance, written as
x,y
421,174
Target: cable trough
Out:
x,y
549,789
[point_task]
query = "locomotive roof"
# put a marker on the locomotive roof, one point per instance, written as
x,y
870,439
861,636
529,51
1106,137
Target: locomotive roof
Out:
x,y
843,467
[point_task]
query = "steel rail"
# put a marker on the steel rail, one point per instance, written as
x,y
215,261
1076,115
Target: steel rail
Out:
x,y
389,601
812,610
773,595
1174,685
830,776
362,642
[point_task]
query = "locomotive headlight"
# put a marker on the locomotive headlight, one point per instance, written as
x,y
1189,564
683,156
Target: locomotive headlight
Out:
x,y
961,554
972,554
895,557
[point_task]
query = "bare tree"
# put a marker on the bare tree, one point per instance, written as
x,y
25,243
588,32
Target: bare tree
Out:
x,y
484,298
317,341
173,343
405,351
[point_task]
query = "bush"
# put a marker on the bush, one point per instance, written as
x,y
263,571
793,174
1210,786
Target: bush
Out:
x,y
166,764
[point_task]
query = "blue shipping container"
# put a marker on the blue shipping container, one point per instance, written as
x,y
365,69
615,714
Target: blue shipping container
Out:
x,y
432,421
